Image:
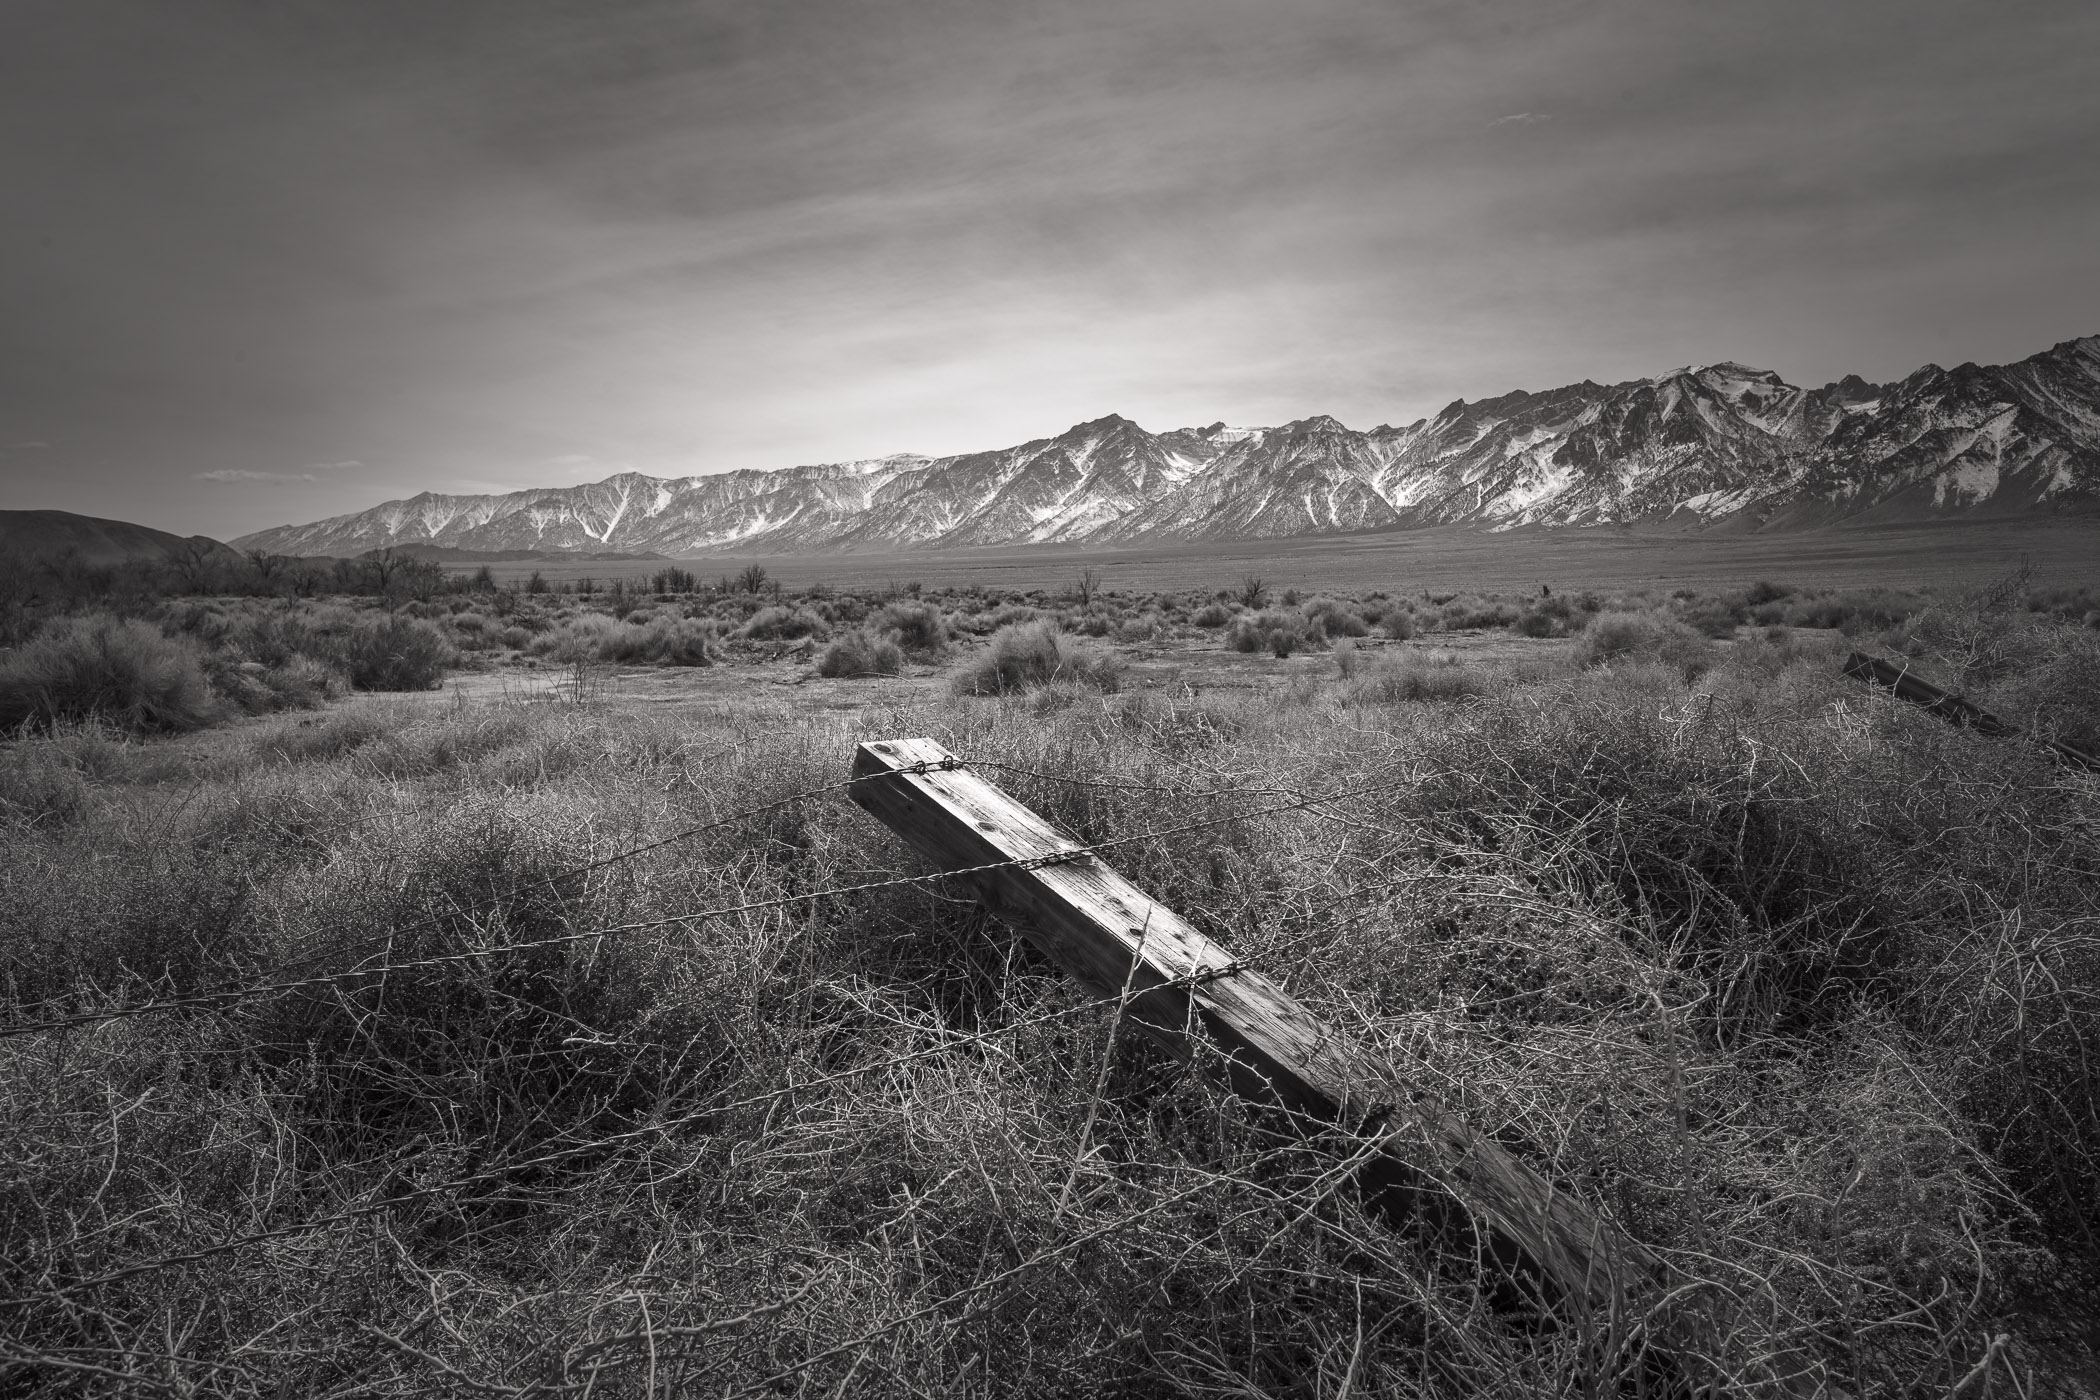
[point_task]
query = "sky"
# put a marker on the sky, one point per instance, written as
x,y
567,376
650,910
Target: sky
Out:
x,y
266,261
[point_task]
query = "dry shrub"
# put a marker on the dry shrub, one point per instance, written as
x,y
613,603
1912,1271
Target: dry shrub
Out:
x,y
2058,695
1773,650
1280,633
39,785
1471,613
102,667
1852,610
917,627
1096,621
1767,881
1328,618
1436,676
1712,617
575,639
1008,615
665,641
2032,667
780,624
251,687
330,737
1536,622
394,653
861,652
1033,655
1613,637
1797,984
843,610
1145,627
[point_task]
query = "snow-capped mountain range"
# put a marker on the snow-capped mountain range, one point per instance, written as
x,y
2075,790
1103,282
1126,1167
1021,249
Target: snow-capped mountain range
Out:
x,y
1712,446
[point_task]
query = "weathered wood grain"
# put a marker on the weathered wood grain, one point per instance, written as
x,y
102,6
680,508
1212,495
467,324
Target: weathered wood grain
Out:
x,y
1543,1245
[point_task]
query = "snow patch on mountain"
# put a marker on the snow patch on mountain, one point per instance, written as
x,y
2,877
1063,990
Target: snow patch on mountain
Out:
x,y
1705,443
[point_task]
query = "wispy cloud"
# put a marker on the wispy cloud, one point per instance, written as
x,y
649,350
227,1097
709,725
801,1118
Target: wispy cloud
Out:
x,y
231,476
707,236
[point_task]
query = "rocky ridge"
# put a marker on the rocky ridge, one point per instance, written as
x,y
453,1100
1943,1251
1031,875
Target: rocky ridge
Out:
x,y
1720,446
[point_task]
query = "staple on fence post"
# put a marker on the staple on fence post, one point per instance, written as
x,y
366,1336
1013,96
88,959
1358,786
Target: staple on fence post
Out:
x,y
1560,1258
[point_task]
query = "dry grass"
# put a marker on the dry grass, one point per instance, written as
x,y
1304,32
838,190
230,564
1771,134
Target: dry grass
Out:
x,y
1619,637
1031,655
919,628
861,652
393,653
778,624
1793,981
1415,675
107,668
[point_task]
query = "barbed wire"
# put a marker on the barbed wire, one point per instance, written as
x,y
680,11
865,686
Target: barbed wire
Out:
x,y
220,996
590,867
953,1040
1126,784
231,996
236,995
1266,1196
949,1042
1336,1171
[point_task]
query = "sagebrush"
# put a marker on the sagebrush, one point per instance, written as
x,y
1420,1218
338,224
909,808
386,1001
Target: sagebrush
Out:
x,y
1796,983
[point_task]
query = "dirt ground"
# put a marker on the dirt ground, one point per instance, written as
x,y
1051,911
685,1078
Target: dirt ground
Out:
x,y
783,680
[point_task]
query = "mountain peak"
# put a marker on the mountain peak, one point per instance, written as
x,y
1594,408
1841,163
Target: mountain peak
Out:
x,y
1721,372
1851,390
1737,370
1704,443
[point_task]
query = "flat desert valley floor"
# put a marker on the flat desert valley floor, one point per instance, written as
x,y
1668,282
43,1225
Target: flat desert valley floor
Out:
x,y
1452,560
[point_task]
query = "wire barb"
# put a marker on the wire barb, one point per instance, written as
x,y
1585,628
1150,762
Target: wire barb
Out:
x,y
233,997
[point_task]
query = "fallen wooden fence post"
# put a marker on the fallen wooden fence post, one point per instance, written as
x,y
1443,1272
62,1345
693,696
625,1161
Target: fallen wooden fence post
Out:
x,y
1927,696
1425,1162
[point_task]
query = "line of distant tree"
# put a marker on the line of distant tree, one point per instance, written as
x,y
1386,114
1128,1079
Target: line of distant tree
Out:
x,y
664,583
202,567
67,582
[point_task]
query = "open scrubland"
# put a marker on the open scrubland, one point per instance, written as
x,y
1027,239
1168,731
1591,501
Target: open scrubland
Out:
x,y
1963,554
569,1032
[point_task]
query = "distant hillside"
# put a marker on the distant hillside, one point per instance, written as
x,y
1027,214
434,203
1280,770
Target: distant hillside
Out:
x,y
439,554
1720,446
38,535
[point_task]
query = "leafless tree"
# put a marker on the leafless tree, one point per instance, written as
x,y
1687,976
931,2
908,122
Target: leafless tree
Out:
x,y
195,563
